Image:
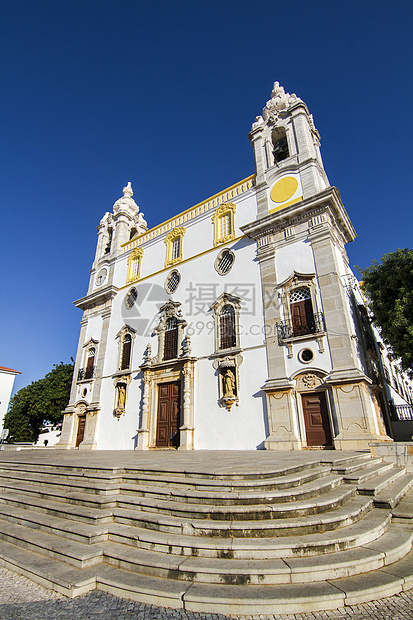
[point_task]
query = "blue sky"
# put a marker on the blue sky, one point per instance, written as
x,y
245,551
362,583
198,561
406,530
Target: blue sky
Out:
x,y
98,93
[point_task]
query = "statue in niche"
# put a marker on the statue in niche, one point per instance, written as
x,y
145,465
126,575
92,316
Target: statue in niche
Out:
x,y
229,384
121,397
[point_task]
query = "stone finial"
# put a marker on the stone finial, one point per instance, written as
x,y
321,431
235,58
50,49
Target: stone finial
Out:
x,y
128,191
126,203
147,356
186,347
280,100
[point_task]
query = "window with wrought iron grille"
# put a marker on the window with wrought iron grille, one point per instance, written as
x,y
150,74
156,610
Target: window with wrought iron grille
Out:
x,y
90,364
130,298
126,352
172,281
170,350
227,333
224,262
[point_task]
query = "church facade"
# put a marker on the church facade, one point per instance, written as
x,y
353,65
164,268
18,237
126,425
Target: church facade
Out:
x,y
236,324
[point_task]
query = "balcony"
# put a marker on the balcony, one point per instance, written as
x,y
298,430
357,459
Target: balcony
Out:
x,y
86,373
401,412
313,326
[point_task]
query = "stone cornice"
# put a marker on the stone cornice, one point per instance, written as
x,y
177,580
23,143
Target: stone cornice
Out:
x,y
328,199
97,297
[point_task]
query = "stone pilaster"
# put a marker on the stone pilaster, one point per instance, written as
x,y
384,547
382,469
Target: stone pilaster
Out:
x,y
78,361
68,431
283,435
143,431
187,429
97,382
352,400
89,439
282,421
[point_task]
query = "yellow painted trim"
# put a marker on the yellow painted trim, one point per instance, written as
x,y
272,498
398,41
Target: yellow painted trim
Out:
x,y
224,209
214,200
135,255
185,260
287,204
175,233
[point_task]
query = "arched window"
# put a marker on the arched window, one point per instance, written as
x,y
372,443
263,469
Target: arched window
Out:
x,y
224,223
90,363
280,145
174,246
126,352
227,334
109,241
134,265
170,350
301,310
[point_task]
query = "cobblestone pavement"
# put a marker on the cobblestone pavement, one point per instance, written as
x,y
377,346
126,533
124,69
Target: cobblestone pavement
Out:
x,y
21,599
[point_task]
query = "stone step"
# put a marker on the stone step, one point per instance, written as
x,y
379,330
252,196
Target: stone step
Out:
x,y
76,512
349,513
356,464
403,512
15,470
368,472
224,486
44,543
57,468
328,500
41,480
392,546
366,530
378,483
290,598
48,572
309,489
210,598
287,466
394,492
57,494
66,528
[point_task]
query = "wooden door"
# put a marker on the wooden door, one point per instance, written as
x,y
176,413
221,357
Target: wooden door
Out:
x,y
317,424
302,317
169,404
80,429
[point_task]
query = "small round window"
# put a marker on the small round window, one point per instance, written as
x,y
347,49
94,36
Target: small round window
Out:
x,y
172,281
306,356
130,298
224,262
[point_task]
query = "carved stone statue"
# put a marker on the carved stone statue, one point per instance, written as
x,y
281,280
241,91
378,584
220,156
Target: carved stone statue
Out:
x,y
229,383
121,387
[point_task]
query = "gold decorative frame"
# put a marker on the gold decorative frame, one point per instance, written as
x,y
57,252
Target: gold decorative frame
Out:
x,y
223,210
134,257
175,233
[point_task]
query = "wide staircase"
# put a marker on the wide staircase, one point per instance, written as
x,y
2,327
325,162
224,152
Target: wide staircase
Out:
x,y
279,533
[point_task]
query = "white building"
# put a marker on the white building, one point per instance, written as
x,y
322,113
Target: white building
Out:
x,y
233,324
7,376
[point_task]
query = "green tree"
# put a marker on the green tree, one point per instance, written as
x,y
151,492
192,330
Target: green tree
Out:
x,y
38,403
389,289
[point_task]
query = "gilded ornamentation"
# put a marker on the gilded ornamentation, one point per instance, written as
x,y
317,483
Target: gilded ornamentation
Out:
x,y
224,225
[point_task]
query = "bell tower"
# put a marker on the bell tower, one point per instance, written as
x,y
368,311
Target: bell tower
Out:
x,y
287,154
313,346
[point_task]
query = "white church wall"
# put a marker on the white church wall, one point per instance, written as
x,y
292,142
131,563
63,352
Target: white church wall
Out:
x,y
242,428
297,256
